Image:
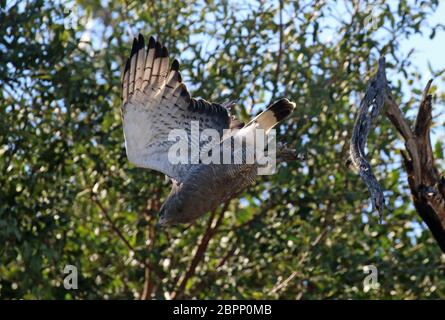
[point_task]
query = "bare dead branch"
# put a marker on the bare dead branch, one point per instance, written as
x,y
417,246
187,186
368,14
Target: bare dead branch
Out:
x,y
424,116
422,133
426,184
425,181
369,109
396,117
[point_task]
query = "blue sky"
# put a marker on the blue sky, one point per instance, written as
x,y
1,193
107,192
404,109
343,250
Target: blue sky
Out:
x,y
429,50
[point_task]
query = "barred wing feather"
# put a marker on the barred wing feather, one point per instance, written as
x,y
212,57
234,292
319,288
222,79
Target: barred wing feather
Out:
x,y
156,101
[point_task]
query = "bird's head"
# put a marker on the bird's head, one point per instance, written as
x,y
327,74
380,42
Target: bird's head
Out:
x,y
183,205
170,211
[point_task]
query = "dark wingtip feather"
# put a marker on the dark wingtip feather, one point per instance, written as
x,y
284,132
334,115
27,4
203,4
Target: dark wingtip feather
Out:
x,y
183,90
158,50
151,43
175,65
134,47
164,53
127,66
141,41
184,93
282,108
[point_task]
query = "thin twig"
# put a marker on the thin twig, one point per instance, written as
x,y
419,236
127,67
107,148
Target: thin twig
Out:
x,y
121,236
281,285
226,256
113,225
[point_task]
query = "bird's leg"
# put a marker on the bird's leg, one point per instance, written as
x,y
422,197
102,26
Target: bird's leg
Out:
x,y
230,104
288,154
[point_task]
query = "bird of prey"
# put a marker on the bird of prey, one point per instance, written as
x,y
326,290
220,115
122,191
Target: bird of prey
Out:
x,y
155,102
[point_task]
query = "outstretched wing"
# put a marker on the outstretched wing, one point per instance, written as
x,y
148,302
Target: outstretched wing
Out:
x,y
156,101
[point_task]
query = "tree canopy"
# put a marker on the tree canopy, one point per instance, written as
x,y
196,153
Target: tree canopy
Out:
x,y
69,196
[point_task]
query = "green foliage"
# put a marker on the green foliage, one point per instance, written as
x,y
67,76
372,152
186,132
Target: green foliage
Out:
x,y
64,173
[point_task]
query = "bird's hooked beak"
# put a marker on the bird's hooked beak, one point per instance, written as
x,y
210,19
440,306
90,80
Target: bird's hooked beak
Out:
x,y
163,221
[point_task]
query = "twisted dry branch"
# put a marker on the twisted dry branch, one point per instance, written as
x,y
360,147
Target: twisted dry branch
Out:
x,y
370,107
427,184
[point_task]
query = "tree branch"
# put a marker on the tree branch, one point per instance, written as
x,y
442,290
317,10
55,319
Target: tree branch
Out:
x,y
212,226
427,185
153,206
121,236
369,109
395,115
112,225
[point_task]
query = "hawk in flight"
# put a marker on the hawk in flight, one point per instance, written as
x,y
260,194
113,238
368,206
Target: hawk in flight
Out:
x,y
155,102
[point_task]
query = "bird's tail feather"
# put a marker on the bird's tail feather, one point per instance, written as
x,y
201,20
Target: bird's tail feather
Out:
x,y
275,113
